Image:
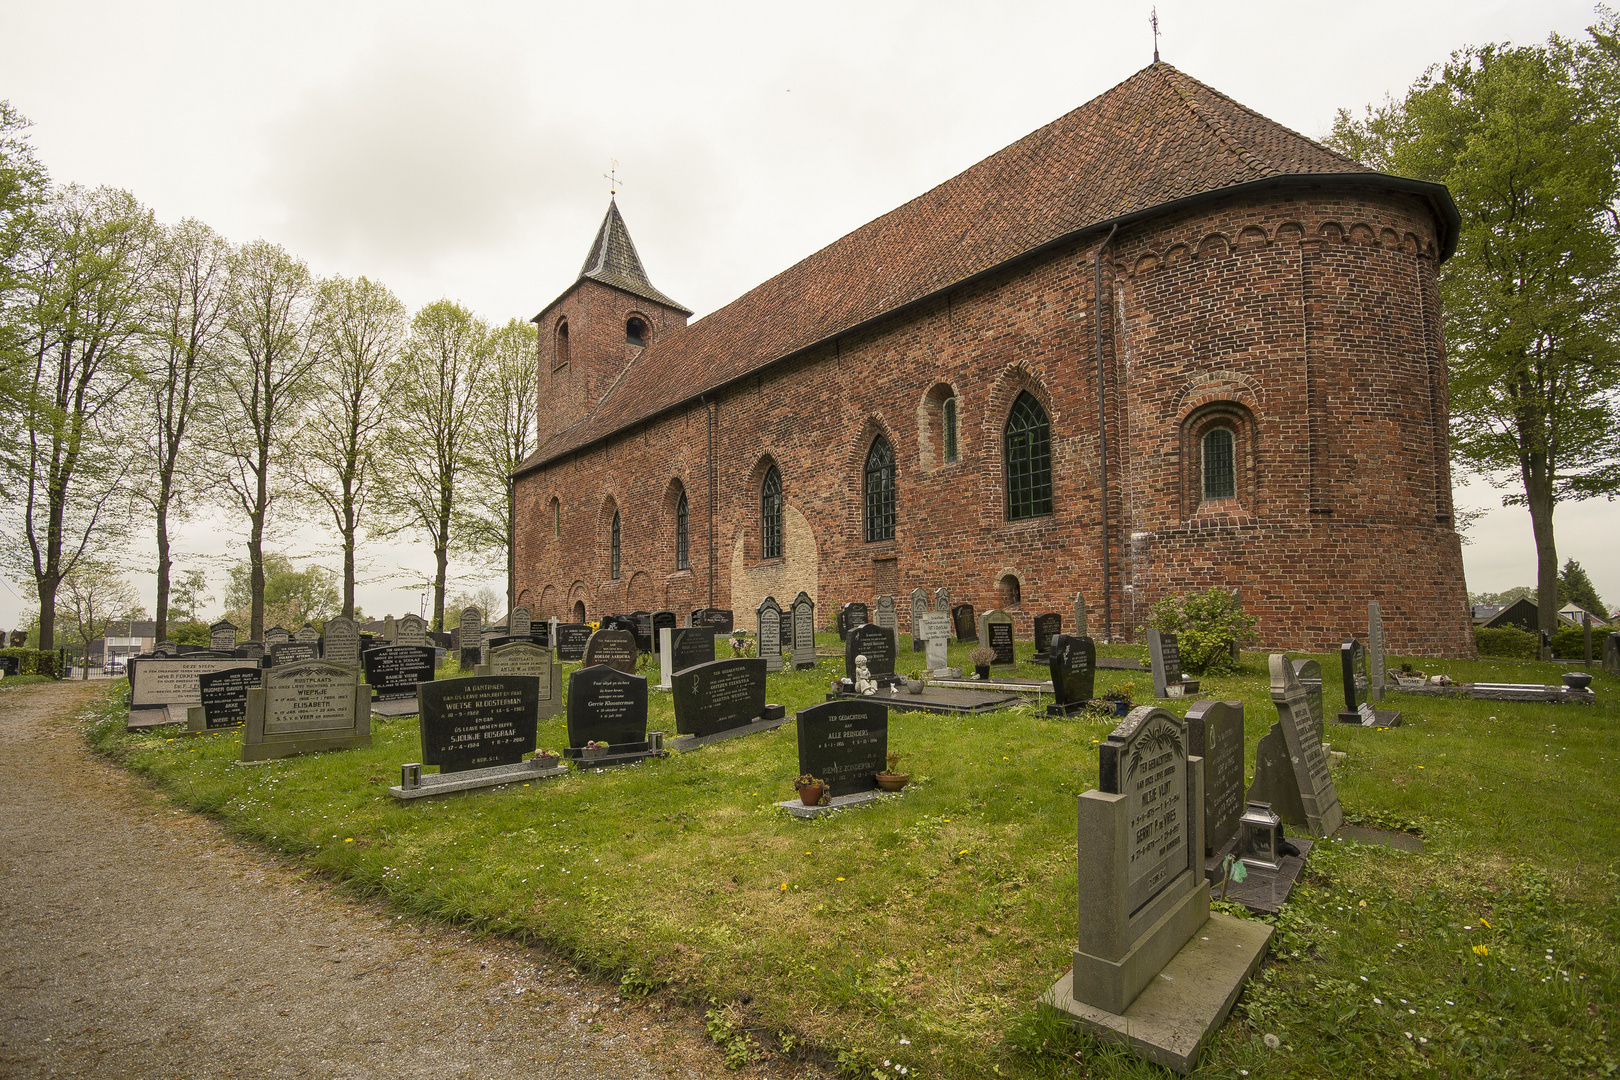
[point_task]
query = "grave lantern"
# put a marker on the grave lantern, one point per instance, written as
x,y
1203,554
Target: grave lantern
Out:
x,y
1262,836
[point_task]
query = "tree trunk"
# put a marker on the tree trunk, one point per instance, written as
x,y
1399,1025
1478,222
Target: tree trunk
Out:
x,y
163,567
1539,496
256,579
441,558
348,544
511,548
47,611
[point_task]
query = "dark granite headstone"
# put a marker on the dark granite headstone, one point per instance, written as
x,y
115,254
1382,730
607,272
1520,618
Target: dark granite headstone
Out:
x,y
479,721
663,620
717,619
851,615
962,619
1165,655
874,642
690,646
1215,733
768,620
614,647
606,705
224,695
1352,670
1073,663
643,624
392,671
845,743
803,620
1047,627
919,608
997,628
10,665
719,696
571,640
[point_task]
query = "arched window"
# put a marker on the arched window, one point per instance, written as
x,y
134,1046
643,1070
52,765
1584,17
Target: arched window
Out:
x,y
1220,472
683,555
770,515
879,491
556,518
562,343
948,426
579,611
613,564
1029,460
635,332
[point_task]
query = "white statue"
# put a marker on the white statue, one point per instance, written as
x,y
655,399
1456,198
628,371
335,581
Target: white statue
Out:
x,y
865,685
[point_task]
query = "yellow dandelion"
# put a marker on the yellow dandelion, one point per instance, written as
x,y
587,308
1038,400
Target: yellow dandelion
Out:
x,y
1481,950
784,886
840,879
348,839
1486,923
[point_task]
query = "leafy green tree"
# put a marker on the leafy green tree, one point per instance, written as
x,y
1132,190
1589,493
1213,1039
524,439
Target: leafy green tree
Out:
x,y
92,595
1575,587
188,596
510,398
432,438
361,328
1528,141
23,187
290,596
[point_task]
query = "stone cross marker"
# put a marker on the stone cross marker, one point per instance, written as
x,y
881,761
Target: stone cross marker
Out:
x,y
844,742
222,636
886,614
768,620
804,631
936,634
520,623
1375,653
472,629
1073,663
919,608
341,644
1215,733
996,631
1291,769
410,630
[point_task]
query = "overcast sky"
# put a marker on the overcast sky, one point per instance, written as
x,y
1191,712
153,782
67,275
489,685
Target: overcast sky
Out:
x,y
457,150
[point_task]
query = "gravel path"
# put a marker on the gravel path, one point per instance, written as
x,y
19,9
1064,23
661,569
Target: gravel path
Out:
x,y
138,941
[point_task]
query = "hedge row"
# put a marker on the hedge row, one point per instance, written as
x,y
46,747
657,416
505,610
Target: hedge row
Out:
x,y
1568,642
36,662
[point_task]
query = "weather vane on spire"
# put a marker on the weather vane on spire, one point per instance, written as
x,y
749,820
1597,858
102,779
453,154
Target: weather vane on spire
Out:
x,y
1155,21
612,177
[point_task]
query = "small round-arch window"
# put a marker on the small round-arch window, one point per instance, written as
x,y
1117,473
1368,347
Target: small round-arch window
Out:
x,y
562,343
948,426
1220,472
635,332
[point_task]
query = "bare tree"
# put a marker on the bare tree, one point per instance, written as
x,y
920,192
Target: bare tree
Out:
x,y
93,595
264,377
361,327
432,433
190,284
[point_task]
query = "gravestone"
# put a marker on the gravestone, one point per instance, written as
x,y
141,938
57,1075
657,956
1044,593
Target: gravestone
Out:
x,y
276,635
471,630
308,635
886,615
162,688
1375,653
606,705
571,641
1291,768
304,708
851,615
614,647
936,631
1079,614
804,631
520,622
224,698
661,621
411,630
341,642
1047,627
390,629
919,608
718,698
874,642
1164,653
1215,733
392,672
250,650
962,622
1309,673
1358,710
294,652
222,636
9,665
641,625
1611,654
844,742
768,622
531,661
996,631
720,620
690,646
1073,663
1152,969
478,721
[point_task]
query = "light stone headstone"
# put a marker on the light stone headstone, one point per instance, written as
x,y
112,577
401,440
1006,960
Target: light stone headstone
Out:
x,y
1291,768
768,621
276,635
1079,614
390,629
886,615
222,636
307,635
471,629
936,631
996,631
304,708
520,623
535,661
341,643
411,630
942,600
1375,653
919,608
804,631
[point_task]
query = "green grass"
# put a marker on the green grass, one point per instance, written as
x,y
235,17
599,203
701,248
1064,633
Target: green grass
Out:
x,y
921,931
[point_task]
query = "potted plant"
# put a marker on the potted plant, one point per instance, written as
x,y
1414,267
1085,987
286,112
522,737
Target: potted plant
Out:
x,y
812,792
981,658
1121,697
546,759
594,749
740,645
890,779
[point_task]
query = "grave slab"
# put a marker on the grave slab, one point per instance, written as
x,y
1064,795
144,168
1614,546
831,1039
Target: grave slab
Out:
x,y
434,784
686,743
1264,891
838,802
940,699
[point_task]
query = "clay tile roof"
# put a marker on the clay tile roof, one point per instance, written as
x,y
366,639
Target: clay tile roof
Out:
x,y
1157,137
613,261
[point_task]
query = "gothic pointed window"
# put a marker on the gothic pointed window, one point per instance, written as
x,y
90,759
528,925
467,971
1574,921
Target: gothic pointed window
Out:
x,y
1029,460
613,564
770,515
879,491
683,555
1220,473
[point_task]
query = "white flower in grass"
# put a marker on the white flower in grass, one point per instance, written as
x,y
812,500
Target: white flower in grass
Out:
x,y
1272,1042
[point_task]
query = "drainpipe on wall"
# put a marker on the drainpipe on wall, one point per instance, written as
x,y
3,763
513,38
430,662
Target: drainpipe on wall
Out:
x,y
1102,437
708,412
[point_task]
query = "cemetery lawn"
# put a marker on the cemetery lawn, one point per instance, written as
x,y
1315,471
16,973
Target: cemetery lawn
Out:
x,y
912,938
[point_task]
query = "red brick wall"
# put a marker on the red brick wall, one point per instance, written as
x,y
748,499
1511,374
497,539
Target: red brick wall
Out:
x,y
1307,322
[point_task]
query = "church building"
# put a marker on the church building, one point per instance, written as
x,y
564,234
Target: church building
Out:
x,y
1160,344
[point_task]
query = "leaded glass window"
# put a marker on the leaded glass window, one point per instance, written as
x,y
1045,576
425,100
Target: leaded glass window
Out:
x,y
613,569
879,491
1029,460
770,515
683,558
1220,474
948,418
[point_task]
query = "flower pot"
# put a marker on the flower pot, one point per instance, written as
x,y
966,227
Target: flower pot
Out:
x,y
1577,680
889,781
590,752
811,794
982,670
547,762
1121,708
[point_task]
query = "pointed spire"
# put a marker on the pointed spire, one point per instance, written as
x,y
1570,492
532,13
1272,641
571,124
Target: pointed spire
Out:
x,y
613,261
